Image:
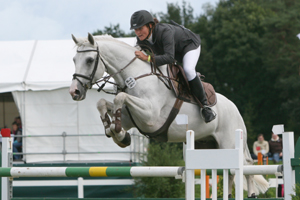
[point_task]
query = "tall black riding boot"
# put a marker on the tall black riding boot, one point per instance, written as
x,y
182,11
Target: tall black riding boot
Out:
x,y
198,91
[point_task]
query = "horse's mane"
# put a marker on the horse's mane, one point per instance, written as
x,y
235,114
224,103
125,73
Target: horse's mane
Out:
x,y
107,38
97,38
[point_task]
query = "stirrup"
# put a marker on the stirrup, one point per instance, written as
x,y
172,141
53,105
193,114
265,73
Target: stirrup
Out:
x,y
212,112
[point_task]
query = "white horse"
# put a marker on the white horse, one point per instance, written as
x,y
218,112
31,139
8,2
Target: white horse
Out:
x,y
149,102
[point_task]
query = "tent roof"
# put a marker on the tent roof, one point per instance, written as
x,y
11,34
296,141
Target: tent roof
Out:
x,y
38,65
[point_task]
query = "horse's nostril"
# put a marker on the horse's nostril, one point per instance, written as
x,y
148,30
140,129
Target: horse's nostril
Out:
x,y
77,92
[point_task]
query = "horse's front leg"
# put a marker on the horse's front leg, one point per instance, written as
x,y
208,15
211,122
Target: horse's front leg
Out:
x,y
139,107
105,109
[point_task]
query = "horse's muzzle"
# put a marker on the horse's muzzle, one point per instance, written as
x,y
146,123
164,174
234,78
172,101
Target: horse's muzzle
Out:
x,y
76,93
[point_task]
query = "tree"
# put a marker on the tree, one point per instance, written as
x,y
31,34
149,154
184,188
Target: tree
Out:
x,y
282,58
182,15
161,154
233,42
187,14
113,30
250,53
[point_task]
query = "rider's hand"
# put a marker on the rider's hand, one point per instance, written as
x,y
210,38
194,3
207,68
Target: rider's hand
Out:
x,y
141,55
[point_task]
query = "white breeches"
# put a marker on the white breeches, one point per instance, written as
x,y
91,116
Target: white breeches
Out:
x,y
189,63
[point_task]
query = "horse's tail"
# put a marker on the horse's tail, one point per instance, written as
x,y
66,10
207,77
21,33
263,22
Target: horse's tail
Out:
x,y
261,185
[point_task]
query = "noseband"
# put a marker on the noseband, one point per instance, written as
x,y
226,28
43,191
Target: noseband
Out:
x,y
91,77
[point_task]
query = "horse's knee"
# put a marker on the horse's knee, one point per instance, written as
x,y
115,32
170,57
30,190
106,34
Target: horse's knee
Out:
x,y
120,98
101,104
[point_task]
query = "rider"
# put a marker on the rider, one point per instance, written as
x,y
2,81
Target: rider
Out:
x,y
170,42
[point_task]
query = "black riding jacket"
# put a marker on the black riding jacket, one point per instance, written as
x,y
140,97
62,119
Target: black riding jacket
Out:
x,y
170,43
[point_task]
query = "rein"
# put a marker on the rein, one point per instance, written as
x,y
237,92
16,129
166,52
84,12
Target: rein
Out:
x,y
106,78
159,74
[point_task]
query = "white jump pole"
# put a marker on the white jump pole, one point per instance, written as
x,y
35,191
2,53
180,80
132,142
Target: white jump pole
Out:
x,y
203,183
6,156
239,146
190,173
225,184
213,159
80,187
288,151
288,172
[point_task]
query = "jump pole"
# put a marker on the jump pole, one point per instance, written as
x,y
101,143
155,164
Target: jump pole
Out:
x,y
214,159
6,183
91,172
6,171
288,152
171,171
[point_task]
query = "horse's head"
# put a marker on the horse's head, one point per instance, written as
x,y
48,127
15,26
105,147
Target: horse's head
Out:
x,y
89,67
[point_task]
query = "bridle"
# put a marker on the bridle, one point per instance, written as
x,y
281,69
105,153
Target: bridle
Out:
x,y
106,78
91,77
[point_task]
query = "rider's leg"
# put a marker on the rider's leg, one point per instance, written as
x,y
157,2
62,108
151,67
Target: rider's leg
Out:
x,y
190,60
198,91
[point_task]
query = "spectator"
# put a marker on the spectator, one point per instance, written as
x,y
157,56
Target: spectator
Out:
x,y
275,148
19,122
17,140
260,146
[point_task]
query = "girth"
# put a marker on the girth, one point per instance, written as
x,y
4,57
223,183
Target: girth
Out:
x,y
161,134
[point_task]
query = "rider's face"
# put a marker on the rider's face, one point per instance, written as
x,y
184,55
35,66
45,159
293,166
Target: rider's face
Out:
x,y
142,32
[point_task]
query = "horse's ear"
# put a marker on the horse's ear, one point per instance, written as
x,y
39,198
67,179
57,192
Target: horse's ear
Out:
x,y
91,39
74,39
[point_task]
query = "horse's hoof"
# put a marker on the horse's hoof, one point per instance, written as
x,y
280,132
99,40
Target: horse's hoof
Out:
x,y
121,145
127,139
125,142
108,133
253,196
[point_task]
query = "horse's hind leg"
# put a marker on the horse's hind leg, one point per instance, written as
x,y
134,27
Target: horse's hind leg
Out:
x,y
230,184
250,183
105,109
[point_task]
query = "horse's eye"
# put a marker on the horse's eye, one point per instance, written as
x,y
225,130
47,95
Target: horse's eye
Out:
x,y
90,60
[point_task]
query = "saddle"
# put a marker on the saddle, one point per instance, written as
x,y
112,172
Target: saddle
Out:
x,y
180,86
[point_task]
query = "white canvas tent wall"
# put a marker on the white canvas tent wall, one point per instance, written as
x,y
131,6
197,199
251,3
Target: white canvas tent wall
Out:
x,y
38,73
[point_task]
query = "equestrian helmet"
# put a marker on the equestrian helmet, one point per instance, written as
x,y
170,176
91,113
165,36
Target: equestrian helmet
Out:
x,y
140,18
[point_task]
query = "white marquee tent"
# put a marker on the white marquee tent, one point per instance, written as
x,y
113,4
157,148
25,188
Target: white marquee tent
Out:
x,y
39,73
